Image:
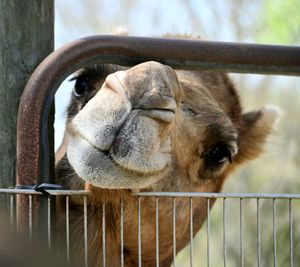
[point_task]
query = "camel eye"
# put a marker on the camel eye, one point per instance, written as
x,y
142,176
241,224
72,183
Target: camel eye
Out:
x,y
218,155
81,86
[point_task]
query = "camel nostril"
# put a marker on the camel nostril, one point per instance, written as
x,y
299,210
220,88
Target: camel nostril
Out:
x,y
117,141
105,152
114,82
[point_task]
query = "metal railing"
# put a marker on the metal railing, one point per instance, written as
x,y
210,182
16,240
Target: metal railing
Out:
x,y
225,198
35,158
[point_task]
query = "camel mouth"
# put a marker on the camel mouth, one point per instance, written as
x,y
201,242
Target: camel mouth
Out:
x,y
121,163
102,168
110,155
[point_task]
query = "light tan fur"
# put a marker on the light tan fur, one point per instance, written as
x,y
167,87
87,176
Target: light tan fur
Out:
x,y
151,128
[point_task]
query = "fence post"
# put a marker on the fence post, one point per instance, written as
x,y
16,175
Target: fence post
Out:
x,y
26,38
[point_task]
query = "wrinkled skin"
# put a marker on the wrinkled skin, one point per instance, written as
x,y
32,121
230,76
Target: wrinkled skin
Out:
x,y
151,128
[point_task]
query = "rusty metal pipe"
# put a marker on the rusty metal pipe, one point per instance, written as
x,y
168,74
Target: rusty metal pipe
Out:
x,y
33,155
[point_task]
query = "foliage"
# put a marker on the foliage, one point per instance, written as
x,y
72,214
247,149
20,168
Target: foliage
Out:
x,y
279,22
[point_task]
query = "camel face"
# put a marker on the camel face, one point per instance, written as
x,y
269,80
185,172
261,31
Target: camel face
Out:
x,y
122,137
149,122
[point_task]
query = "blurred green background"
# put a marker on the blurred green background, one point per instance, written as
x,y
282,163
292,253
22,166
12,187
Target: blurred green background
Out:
x,y
277,171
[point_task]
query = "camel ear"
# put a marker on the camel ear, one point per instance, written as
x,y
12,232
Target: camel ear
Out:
x,y
255,127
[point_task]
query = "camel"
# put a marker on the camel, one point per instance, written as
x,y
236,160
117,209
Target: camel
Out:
x,y
152,128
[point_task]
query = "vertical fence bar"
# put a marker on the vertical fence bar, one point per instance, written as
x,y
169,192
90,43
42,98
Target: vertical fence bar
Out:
x,y
139,233
241,234
49,222
30,216
67,230
258,232
17,213
156,232
191,233
291,234
174,230
103,236
85,231
224,231
274,234
122,231
11,210
208,233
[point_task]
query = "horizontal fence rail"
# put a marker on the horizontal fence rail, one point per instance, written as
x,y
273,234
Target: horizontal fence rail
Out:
x,y
156,194
218,195
273,246
50,192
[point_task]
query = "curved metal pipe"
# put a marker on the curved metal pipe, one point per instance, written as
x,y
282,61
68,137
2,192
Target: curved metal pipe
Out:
x,y
33,155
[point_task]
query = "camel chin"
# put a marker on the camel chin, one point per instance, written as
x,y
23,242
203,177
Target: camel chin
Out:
x,y
101,170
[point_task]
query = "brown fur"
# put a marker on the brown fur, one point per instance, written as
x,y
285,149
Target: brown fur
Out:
x,y
210,112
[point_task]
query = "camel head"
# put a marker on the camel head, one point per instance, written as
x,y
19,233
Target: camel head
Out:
x,y
149,125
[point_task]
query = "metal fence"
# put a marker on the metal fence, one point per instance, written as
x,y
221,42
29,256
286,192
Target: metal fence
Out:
x,y
35,158
282,253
